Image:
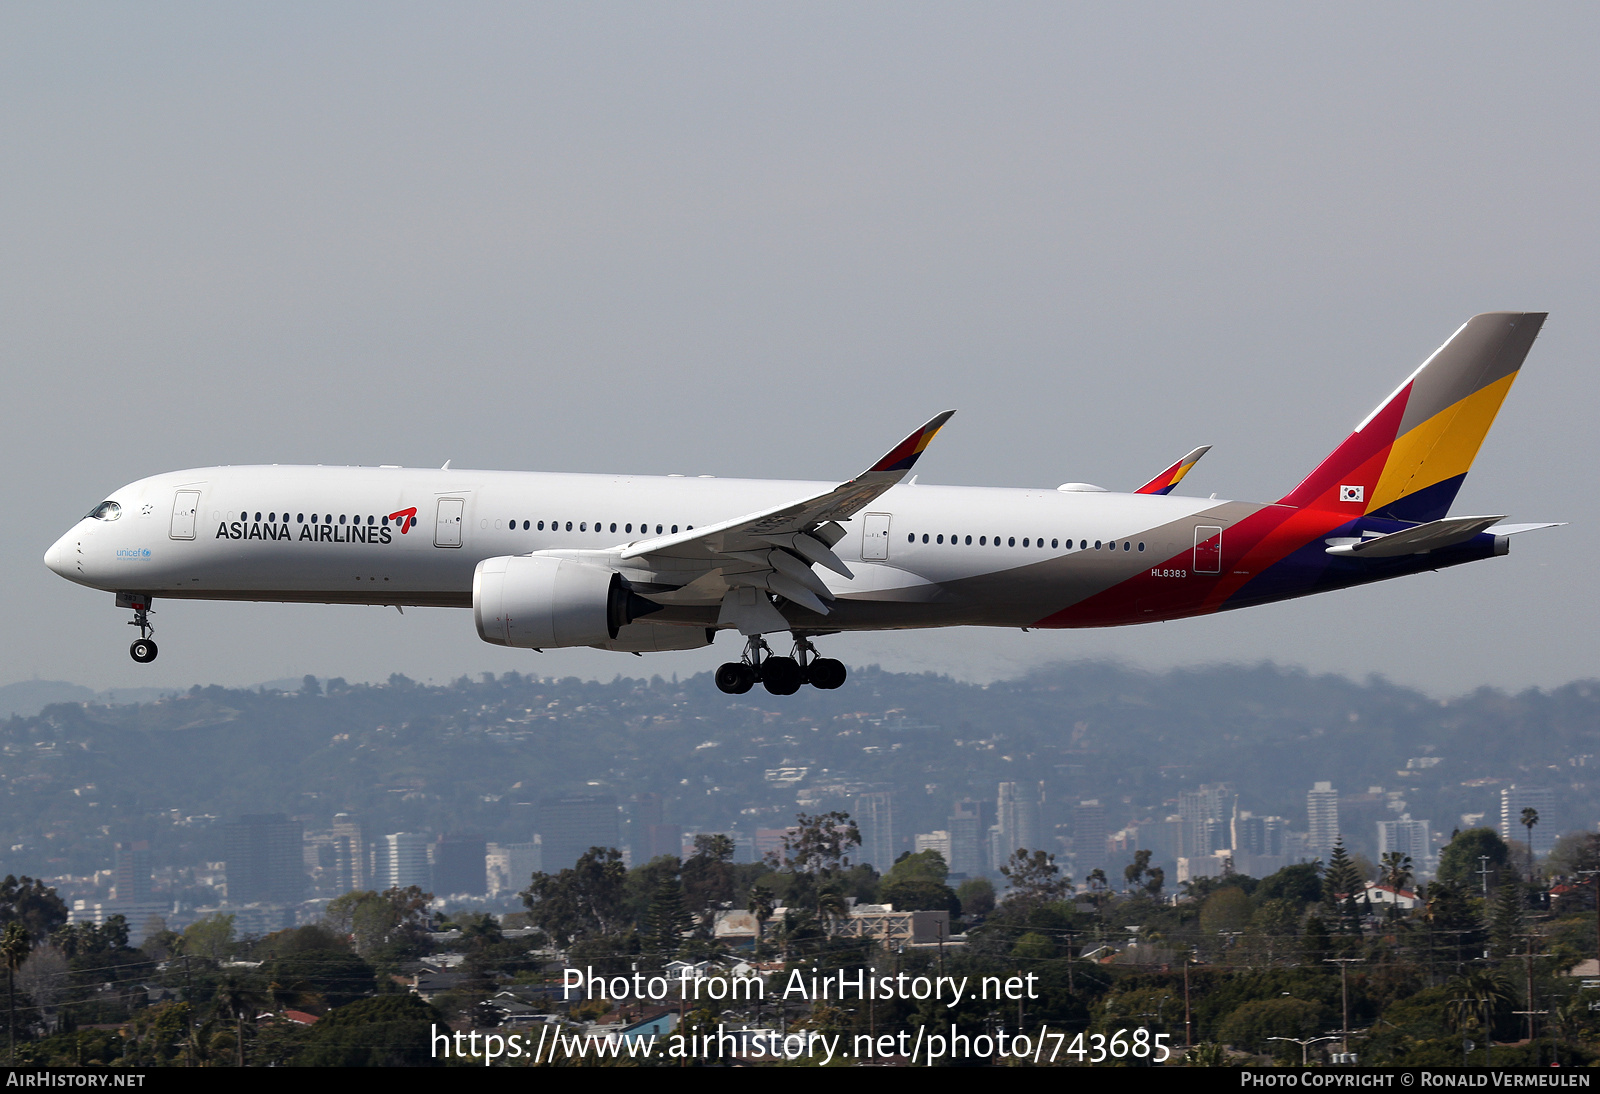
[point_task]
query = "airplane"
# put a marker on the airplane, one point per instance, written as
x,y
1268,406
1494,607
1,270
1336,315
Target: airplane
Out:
x,y
639,564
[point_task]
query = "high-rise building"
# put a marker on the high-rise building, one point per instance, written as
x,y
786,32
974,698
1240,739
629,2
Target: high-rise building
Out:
x,y
969,829
1513,800
1017,813
1258,835
264,859
352,860
933,841
874,816
1204,817
131,884
1089,831
404,862
460,866
1408,837
652,836
571,825
511,866
1322,818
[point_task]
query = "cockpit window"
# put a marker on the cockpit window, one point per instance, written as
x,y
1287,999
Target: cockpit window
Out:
x,y
106,510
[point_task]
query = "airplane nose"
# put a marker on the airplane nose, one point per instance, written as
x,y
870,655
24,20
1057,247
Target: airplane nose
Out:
x,y
60,555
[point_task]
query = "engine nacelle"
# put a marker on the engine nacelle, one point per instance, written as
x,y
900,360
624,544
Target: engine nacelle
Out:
x,y
539,602
658,638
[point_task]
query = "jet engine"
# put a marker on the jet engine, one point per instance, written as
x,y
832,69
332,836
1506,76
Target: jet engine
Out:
x,y
541,602
658,638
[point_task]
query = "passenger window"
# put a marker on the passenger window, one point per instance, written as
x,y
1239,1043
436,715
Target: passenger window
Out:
x,y
658,529
583,526
911,537
924,537
1126,546
1052,545
969,541
983,541
627,527
299,518
341,518
569,526
674,529
939,539
1141,546
1096,545
258,518
613,527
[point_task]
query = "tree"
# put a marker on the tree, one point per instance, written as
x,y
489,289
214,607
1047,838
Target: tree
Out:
x,y
1480,999
33,904
238,996
1460,861
761,906
976,895
587,899
1530,817
924,865
393,918
916,883
1397,876
667,921
1034,878
14,948
820,843
1505,921
384,1031
708,878
210,937
1341,885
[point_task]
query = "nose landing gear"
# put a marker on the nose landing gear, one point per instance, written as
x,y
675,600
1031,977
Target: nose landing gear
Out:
x,y
143,649
779,675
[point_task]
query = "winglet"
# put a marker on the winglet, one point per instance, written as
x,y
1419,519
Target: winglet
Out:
x,y
1172,476
903,456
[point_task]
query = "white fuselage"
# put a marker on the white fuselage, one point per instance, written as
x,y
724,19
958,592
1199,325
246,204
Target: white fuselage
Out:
x,y
951,555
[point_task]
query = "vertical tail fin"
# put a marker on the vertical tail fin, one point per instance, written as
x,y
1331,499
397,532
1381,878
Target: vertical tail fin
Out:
x,y
1407,459
1172,476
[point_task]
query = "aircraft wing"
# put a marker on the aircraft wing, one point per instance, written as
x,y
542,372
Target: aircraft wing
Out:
x,y
1172,476
774,549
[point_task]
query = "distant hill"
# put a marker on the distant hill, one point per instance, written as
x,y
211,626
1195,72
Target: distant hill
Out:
x,y
29,697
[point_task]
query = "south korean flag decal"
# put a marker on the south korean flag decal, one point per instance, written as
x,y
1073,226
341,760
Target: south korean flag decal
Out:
x,y
1352,493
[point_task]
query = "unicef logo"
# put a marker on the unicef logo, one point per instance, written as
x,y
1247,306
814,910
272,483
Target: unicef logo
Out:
x,y
134,554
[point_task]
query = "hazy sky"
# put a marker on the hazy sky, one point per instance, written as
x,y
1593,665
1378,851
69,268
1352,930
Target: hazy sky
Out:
x,y
768,240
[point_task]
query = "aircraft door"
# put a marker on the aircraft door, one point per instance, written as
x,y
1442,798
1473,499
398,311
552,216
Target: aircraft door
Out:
x,y
447,526
185,509
1207,549
875,537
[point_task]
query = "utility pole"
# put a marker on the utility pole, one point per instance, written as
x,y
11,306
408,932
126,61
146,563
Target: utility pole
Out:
x,y
1344,990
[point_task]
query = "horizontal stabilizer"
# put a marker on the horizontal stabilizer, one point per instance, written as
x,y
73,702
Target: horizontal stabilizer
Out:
x,y
1513,529
1414,541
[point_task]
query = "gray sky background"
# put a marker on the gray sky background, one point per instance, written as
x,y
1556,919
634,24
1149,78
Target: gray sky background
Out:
x,y
768,240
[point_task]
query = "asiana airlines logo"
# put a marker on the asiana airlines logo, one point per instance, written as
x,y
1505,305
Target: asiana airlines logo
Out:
x,y
325,532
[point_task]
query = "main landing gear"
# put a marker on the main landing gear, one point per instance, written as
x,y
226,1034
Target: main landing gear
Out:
x,y
779,675
143,649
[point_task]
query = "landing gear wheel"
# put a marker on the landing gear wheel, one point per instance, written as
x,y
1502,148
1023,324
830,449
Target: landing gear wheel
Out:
x,y
826,673
143,650
781,675
735,678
